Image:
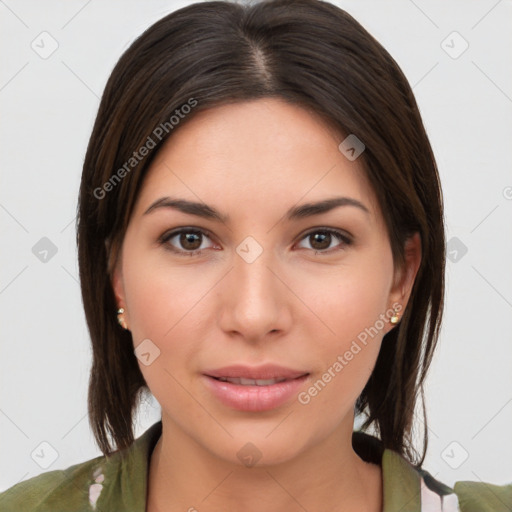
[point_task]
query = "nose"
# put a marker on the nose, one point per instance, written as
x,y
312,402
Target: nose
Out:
x,y
255,301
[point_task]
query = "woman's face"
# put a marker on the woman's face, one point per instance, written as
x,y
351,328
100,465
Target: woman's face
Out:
x,y
247,283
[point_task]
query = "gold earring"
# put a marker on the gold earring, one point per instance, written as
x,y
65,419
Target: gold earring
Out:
x,y
120,318
394,319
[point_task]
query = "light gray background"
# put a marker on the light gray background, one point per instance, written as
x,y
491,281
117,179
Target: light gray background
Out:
x,y
48,106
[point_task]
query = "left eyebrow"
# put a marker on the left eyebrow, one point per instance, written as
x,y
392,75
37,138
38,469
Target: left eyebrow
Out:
x,y
310,209
295,213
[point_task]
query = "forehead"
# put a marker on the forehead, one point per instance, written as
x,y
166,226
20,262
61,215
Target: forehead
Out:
x,y
259,153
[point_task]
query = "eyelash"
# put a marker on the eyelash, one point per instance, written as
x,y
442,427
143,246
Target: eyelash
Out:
x,y
164,240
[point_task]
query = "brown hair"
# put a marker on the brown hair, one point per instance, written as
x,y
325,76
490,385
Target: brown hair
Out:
x,y
307,52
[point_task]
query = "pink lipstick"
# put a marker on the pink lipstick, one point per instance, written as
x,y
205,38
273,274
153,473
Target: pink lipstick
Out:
x,y
255,389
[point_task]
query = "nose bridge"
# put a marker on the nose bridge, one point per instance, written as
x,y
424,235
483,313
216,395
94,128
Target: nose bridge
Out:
x,y
254,283
254,302
253,279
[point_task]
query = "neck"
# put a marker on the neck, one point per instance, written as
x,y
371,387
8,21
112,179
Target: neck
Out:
x,y
183,476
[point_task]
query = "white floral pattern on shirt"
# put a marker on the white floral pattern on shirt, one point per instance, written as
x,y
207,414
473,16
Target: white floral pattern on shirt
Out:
x,y
432,502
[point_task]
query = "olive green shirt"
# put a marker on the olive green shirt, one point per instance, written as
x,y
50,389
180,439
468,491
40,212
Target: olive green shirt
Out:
x,y
119,483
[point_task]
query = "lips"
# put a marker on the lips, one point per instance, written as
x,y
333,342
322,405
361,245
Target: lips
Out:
x,y
254,389
250,382
266,372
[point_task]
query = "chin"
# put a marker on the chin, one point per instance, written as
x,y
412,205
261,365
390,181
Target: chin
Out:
x,y
255,449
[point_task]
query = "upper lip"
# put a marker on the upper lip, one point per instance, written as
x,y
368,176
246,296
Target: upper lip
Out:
x,y
268,371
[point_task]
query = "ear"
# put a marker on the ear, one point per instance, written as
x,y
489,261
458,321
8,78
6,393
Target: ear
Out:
x,y
406,275
118,286
116,274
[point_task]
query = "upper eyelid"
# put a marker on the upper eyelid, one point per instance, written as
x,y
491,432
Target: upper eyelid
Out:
x,y
187,229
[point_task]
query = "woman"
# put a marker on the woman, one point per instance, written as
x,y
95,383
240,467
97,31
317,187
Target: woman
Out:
x,y
261,246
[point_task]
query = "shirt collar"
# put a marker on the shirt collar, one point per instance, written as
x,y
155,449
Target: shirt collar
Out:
x,y
401,482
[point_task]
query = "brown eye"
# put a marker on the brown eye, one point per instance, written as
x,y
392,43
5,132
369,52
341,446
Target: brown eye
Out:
x,y
321,240
190,241
185,241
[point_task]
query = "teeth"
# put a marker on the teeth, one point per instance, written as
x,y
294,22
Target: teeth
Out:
x,y
251,382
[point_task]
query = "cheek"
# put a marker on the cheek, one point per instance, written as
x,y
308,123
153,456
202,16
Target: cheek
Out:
x,y
160,298
352,306
164,306
351,300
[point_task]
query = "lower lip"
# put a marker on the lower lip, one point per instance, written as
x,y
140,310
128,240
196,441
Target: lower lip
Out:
x,y
254,398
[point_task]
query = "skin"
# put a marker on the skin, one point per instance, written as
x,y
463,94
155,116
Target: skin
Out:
x,y
300,304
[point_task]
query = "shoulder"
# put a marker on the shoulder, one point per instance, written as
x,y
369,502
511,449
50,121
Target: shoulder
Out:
x,y
407,487
483,497
58,490
465,496
114,482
